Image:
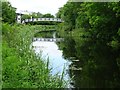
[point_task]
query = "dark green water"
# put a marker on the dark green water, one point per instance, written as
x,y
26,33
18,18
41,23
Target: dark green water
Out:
x,y
96,61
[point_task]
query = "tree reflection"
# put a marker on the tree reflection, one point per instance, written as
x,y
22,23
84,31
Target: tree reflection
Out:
x,y
99,65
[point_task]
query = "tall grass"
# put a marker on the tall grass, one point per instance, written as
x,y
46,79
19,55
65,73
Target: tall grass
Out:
x,y
20,66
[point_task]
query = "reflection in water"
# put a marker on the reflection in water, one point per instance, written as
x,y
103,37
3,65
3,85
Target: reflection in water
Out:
x,y
91,64
98,63
57,62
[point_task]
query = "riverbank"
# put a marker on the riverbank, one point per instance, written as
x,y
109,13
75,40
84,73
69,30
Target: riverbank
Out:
x,y
20,66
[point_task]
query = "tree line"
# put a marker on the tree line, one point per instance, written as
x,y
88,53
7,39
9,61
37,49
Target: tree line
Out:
x,y
37,15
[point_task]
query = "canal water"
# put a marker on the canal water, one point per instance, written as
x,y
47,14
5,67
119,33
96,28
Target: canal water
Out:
x,y
97,69
58,64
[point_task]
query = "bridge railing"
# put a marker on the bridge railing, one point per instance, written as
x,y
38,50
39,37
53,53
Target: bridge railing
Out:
x,y
43,19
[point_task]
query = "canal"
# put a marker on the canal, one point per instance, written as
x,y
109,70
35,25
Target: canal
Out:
x,y
95,70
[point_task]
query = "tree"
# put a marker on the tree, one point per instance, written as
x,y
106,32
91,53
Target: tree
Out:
x,y
69,13
25,16
59,13
8,13
39,15
48,15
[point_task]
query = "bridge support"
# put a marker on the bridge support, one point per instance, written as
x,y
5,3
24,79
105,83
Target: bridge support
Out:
x,y
18,18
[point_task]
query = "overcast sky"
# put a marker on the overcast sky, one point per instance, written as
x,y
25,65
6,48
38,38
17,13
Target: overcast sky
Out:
x,y
42,6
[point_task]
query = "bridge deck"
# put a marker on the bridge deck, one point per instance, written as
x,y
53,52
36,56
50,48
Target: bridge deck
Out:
x,y
42,19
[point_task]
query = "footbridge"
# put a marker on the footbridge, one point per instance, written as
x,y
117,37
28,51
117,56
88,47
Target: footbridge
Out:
x,y
42,19
37,19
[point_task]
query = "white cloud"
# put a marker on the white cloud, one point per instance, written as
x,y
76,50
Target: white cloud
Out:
x,y
42,6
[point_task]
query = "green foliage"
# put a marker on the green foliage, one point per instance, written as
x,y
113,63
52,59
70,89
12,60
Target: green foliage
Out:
x,y
8,13
69,11
21,68
39,15
48,15
25,16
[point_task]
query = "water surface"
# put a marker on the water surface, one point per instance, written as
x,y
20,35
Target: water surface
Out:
x,y
57,62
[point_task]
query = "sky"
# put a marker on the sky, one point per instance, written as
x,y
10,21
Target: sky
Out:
x,y
42,6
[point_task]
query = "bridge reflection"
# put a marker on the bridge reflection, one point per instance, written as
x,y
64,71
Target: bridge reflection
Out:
x,y
48,39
